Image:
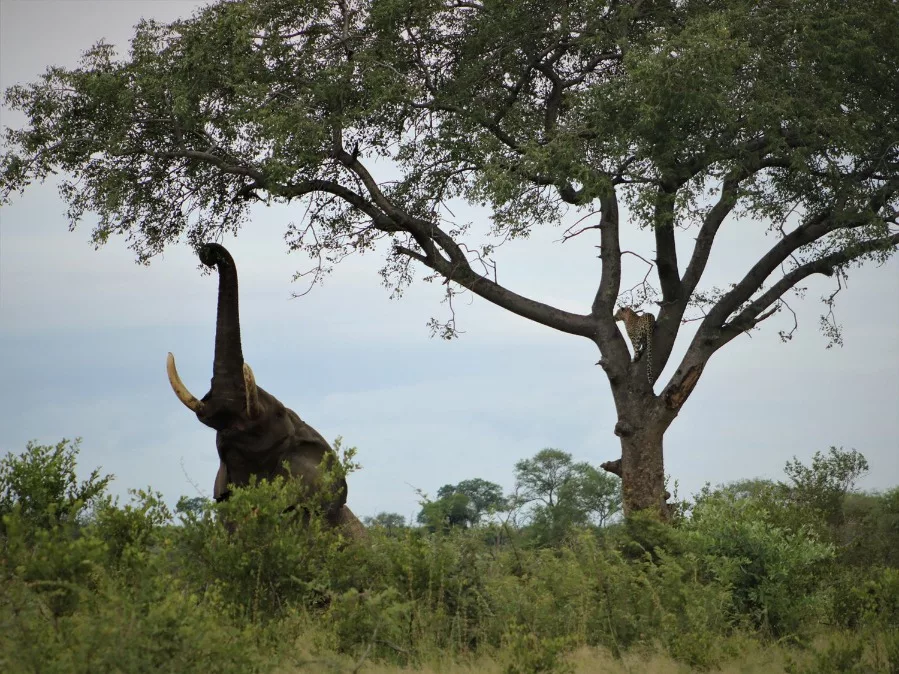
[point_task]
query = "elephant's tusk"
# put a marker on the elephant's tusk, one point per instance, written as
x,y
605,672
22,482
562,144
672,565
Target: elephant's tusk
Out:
x,y
185,396
252,392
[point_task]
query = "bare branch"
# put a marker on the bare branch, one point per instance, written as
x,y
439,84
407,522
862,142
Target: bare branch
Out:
x,y
647,291
707,233
814,228
828,321
568,234
826,265
787,336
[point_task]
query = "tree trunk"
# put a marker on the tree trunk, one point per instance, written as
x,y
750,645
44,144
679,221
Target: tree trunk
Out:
x,y
642,422
643,471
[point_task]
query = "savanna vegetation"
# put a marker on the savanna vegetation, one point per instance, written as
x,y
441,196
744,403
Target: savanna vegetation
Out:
x,y
800,576
374,120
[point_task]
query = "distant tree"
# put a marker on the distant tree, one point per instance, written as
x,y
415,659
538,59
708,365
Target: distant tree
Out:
x,y
377,118
595,495
825,483
454,510
192,505
483,496
563,493
749,488
542,477
391,522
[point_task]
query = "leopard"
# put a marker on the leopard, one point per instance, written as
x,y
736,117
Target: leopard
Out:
x,y
639,329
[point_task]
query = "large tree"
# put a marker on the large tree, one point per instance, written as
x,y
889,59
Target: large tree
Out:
x,y
374,116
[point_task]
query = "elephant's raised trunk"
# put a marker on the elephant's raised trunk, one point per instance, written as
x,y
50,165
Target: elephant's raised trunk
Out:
x,y
227,368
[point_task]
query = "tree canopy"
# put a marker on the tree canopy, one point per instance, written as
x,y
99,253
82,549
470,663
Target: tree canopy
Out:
x,y
529,107
462,505
483,496
561,493
391,522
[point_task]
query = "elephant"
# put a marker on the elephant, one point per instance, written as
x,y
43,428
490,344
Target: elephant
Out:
x,y
255,433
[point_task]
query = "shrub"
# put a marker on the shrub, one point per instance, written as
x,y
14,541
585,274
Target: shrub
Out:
x,y
526,653
265,548
774,573
42,484
260,583
155,626
865,598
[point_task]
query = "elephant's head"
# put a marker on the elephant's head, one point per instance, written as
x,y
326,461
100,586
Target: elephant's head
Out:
x,y
255,433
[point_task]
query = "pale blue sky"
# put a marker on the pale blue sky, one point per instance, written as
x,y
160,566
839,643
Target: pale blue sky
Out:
x,y
84,334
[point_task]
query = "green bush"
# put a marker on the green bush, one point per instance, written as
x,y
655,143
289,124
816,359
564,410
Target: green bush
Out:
x,y
868,534
155,626
863,598
529,654
42,507
263,551
41,484
773,572
260,583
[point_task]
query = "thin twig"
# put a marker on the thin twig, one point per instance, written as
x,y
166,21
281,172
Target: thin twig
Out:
x,y
567,234
190,481
371,643
787,336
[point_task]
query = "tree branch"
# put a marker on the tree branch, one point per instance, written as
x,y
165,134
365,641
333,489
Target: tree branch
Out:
x,y
610,254
713,333
707,233
456,267
615,356
207,158
666,251
676,295
816,226
752,314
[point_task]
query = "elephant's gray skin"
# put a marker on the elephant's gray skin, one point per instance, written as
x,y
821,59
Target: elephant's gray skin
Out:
x,y
255,433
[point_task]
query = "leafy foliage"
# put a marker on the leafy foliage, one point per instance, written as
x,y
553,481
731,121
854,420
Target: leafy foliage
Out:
x,y
772,571
192,505
453,510
462,505
391,522
825,483
251,585
484,497
559,493
42,486
526,107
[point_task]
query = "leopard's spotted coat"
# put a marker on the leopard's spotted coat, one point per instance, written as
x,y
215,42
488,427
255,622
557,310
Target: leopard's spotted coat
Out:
x,y
639,328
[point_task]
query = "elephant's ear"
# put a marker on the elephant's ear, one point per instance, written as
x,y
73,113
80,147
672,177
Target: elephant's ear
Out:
x,y
220,492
